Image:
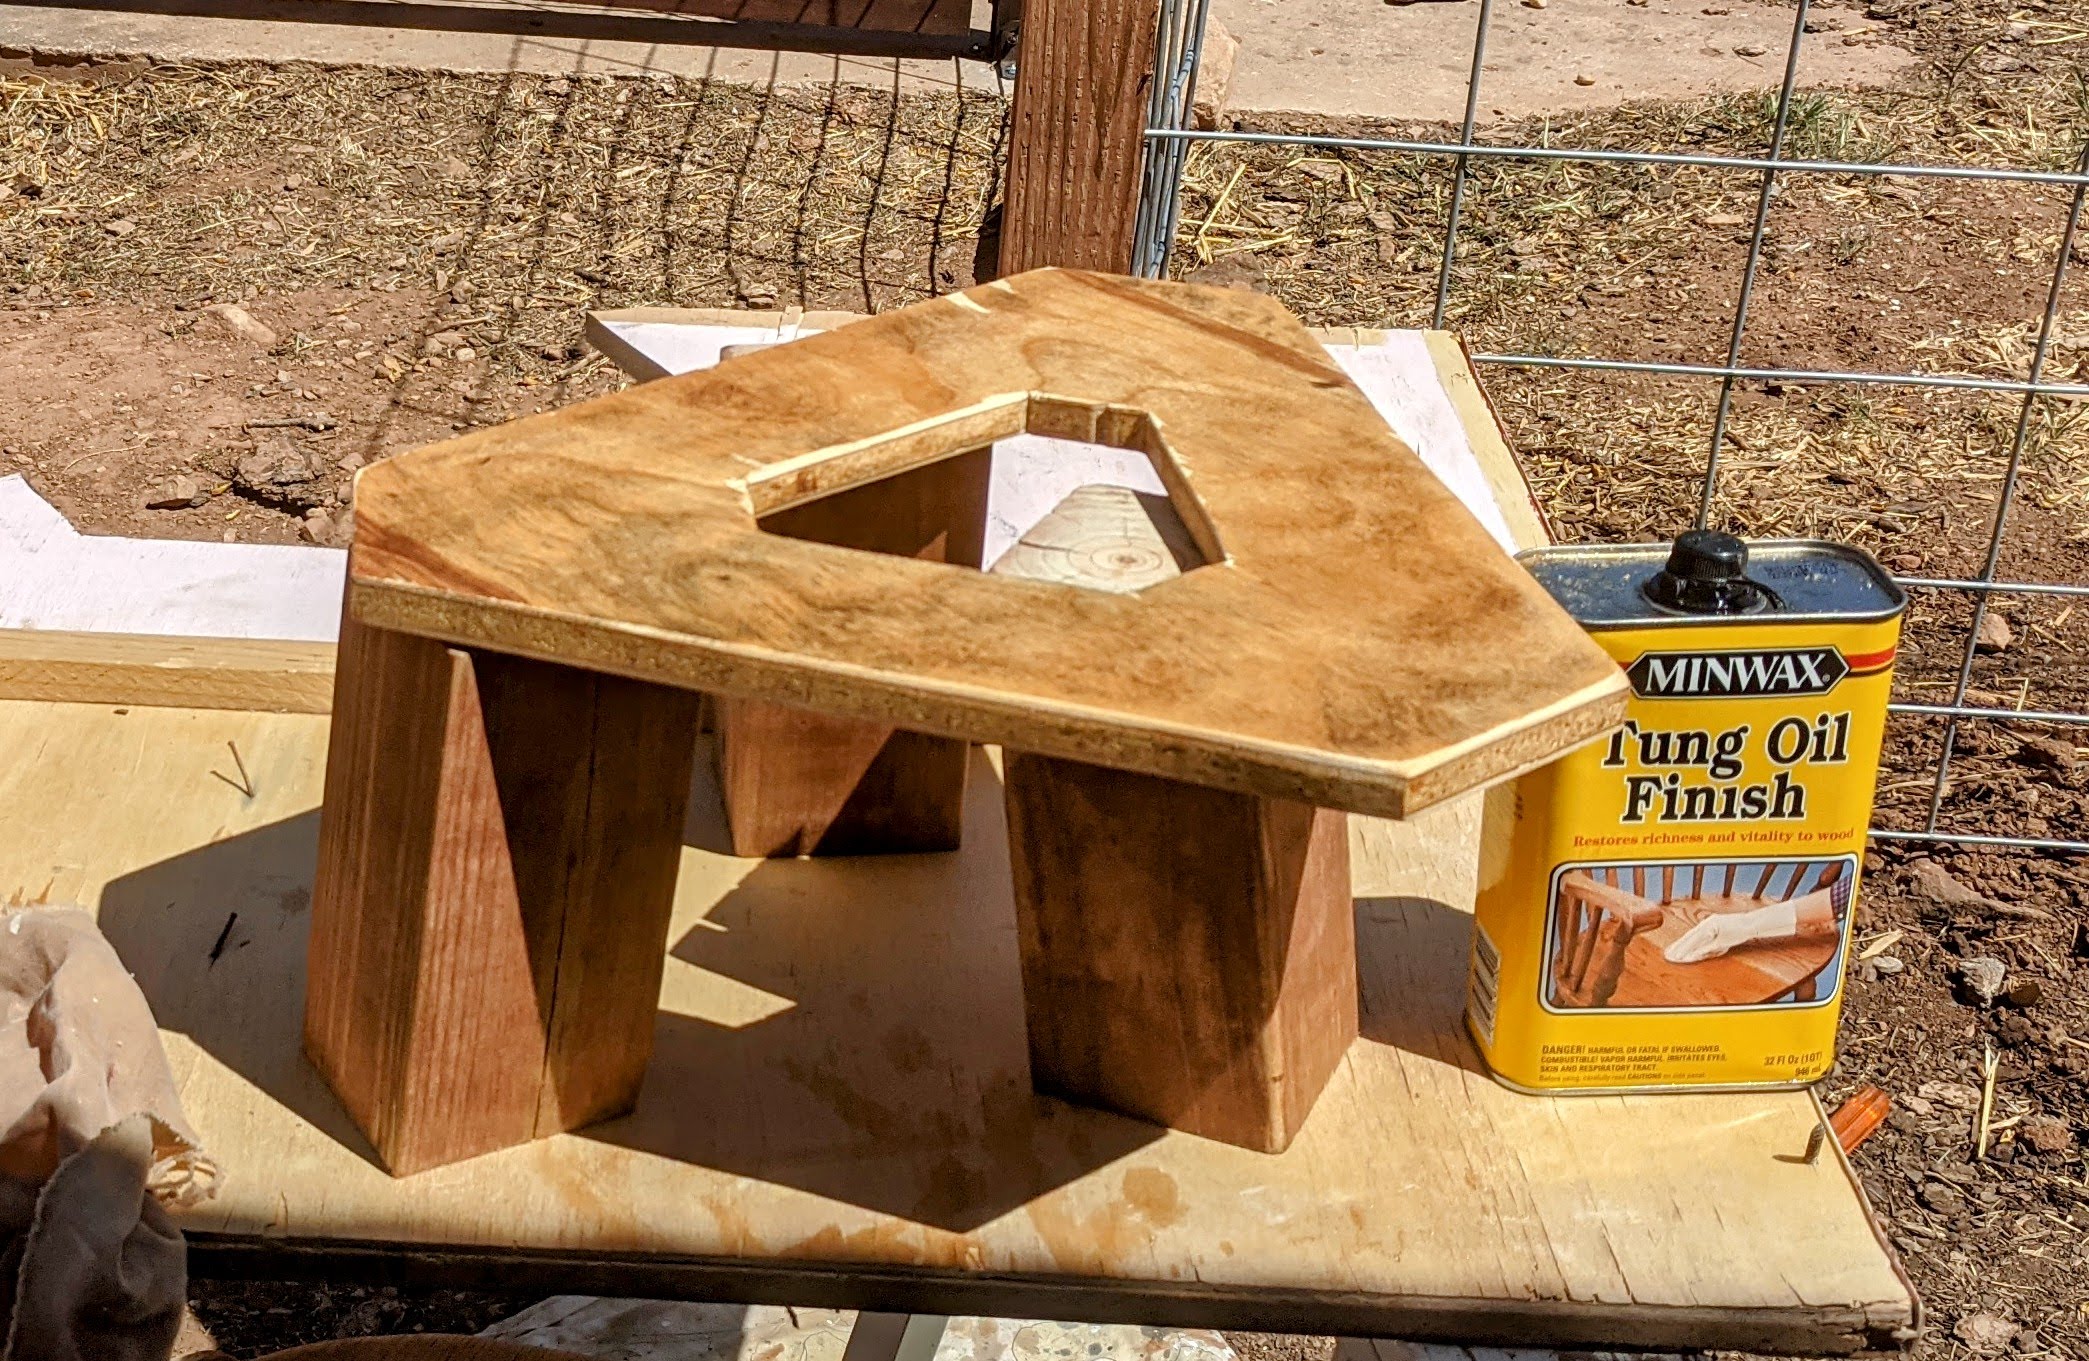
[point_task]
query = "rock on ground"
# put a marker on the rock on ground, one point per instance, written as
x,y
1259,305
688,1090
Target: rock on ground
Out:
x,y
1983,977
236,320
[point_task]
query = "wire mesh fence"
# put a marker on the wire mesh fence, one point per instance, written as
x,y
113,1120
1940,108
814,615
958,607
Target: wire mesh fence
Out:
x,y
1936,726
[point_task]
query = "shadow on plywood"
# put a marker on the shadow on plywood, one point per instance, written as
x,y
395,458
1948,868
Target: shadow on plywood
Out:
x,y
853,1027
849,1028
216,939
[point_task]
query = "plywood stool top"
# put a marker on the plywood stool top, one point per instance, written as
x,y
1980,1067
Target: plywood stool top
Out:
x,y
1356,640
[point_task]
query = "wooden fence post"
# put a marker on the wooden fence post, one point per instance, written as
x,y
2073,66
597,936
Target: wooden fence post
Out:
x,y
1077,142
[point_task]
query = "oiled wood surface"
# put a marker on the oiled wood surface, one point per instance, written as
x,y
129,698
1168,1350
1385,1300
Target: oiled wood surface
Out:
x,y
1748,974
839,1108
1363,644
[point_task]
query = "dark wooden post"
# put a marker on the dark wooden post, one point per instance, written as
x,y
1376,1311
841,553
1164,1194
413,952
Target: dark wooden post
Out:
x,y
1077,140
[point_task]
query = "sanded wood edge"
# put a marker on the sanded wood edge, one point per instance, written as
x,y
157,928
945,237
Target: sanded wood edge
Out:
x,y
1872,1219
1798,1330
1489,441
167,671
1027,723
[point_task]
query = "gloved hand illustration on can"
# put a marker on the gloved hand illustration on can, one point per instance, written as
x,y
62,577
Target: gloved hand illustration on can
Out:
x,y
1815,916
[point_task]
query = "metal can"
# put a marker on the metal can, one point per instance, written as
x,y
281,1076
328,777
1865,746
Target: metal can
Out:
x,y
1670,907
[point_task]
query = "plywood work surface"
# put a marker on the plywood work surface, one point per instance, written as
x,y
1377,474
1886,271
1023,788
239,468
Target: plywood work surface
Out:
x,y
1359,642
839,1110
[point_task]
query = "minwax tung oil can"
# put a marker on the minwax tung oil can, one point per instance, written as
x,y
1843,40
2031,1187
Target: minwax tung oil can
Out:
x,y
1671,906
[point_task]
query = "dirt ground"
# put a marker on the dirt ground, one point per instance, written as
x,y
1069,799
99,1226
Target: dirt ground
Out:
x,y
420,250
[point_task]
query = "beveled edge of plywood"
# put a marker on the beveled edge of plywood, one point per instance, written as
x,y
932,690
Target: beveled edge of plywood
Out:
x,y
167,670
1027,723
1372,728
1883,1327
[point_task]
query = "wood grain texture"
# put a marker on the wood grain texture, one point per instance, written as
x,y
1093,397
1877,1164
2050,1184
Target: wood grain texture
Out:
x,y
266,675
791,1143
414,903
496,865
1364,645
1189,954
1077,133
801,783
798,782
1104,538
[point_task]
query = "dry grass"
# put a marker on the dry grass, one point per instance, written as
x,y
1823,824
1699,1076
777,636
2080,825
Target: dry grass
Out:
x,y
537,197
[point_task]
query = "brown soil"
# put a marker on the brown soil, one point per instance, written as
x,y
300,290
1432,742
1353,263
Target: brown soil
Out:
x,y
363,215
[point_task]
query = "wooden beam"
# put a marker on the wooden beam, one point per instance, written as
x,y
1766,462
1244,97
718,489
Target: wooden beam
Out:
x,y
262,674
497,858
1077,135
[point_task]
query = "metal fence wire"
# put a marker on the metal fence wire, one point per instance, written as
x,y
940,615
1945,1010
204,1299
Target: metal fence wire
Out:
x,y
1169,136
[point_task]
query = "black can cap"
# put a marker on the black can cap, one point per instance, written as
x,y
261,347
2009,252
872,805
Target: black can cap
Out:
x,y
1707,573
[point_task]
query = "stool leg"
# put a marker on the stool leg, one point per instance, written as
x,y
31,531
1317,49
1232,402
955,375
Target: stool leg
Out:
x,y
1189,954
497,858
802,783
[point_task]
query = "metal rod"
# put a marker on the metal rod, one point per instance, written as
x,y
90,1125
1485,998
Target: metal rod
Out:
x,y
2007,499
1754,262
2012,587
1969,711
2028,843
1472,112
1171,204
1179,54
1534,153
1962,382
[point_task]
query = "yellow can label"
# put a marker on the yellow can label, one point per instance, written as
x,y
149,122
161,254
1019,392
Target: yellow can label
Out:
x,y
1671,906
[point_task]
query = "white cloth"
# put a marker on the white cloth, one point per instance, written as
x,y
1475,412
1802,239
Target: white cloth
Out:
x,y
1722,931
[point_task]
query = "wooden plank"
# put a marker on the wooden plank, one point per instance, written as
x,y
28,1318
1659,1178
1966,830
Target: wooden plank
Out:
x,y
944,18
1189,955
1512,493
496,866
268,675
1077,133
420,1349
838,1111
1399,656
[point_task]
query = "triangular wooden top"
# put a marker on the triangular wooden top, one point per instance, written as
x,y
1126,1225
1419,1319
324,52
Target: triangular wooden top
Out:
x,y
1364,644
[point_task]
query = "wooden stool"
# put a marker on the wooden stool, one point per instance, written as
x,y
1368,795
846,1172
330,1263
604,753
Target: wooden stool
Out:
x,y
1336,633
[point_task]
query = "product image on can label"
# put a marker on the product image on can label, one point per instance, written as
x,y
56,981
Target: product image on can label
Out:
x,y
1672,905
1691,935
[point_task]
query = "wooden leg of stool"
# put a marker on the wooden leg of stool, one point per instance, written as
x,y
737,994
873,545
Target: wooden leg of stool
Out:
x,y
497,857
1189,955
802,783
